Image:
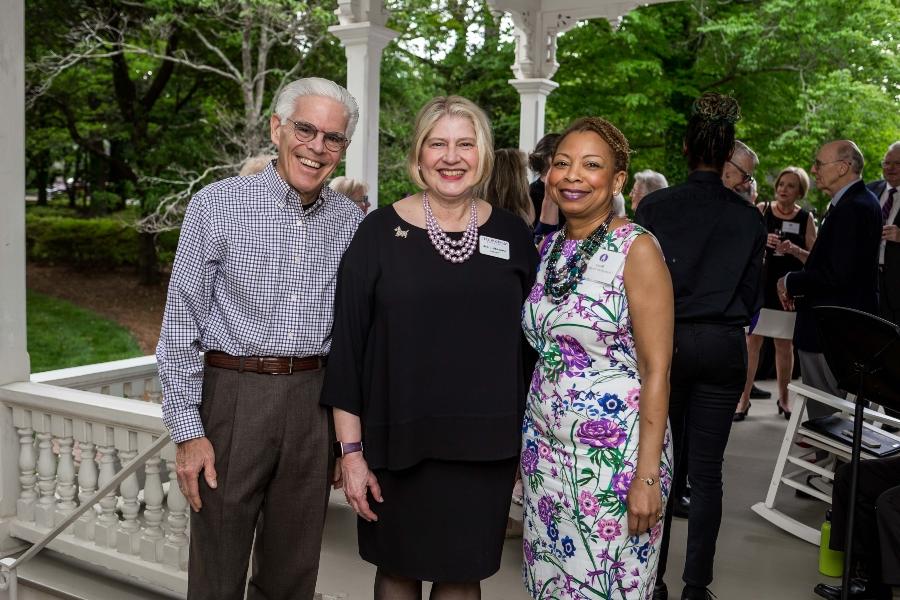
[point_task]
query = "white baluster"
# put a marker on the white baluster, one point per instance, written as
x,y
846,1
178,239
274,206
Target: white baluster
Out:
x,y
107,524
128,538
27,475
87,481
46,507
65,479
152,539
175,551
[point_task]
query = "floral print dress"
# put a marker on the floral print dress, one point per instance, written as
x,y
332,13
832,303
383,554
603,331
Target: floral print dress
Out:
x,y
580,439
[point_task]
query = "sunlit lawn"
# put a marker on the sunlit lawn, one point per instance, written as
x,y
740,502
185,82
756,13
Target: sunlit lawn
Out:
x,y
61,334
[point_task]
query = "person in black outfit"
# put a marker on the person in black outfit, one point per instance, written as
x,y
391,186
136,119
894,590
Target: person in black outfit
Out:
x,y
791,234
876,531
713,241
427,374
842,268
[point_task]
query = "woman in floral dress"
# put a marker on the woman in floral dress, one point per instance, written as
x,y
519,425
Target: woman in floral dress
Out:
x,y
596,458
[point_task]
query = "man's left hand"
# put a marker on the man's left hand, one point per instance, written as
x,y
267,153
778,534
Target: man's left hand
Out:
x,y
787,303
891,233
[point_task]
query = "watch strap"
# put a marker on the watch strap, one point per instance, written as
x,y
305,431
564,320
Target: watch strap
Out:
x,y
344,448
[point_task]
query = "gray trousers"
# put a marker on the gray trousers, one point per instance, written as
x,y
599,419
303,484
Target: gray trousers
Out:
x,y
271,438
814,372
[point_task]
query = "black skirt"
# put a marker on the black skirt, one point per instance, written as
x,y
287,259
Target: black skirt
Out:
x,y
440,520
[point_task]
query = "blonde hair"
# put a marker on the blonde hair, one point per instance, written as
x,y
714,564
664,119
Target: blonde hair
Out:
x,y
801,175
452,106
255,164
348,186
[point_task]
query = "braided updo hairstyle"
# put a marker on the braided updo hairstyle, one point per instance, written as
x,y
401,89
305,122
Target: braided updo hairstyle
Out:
x,y
608,132
709,139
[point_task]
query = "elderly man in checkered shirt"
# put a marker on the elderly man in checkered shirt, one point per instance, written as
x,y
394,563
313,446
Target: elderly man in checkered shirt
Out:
x,y
252,288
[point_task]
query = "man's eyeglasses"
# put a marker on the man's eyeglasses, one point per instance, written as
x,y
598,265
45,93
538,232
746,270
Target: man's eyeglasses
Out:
x,y
745,176
307,132
818,164
887,164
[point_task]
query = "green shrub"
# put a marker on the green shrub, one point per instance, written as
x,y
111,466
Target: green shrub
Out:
x,y
96,242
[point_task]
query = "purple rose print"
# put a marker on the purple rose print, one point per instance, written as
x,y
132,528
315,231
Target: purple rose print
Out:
x,y
529,461
573,353
569,247
620,484
537,292
529,552
601,434
545,510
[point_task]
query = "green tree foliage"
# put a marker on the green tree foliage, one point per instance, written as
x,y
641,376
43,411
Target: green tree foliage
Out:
x,y
804,71
150,100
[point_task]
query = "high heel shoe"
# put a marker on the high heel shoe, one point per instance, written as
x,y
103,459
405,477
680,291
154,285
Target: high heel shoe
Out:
x,y
740,415
785,412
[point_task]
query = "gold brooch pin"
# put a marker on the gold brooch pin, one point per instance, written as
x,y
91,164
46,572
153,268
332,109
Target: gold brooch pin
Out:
x,y
400,233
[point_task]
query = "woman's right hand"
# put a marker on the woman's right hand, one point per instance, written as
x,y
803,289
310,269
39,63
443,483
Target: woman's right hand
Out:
x,y
772,240
358,479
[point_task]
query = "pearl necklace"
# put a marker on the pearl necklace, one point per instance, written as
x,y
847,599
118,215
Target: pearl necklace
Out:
x,y
456,251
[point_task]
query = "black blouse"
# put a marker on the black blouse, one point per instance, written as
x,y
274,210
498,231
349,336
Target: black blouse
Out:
x,y
713,242
428,353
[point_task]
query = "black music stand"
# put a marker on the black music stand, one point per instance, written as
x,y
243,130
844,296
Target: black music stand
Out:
x,y
863,353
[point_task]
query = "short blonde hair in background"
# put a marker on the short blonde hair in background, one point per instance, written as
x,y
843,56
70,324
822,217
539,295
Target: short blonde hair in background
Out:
x,y
349,187
452,106
255,164
801,175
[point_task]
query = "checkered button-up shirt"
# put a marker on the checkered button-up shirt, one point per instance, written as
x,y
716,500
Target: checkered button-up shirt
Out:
x,y
254,275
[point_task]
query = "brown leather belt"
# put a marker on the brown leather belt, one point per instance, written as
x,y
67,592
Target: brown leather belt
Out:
x,y
269,365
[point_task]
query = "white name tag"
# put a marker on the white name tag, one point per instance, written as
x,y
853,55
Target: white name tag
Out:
x,y
604,266
493,247
790,228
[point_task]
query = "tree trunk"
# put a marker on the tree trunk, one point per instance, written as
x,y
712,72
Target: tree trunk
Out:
x,y
42,177
148,261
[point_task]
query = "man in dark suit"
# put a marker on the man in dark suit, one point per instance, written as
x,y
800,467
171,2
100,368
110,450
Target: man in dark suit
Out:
x,y
842,267
887,191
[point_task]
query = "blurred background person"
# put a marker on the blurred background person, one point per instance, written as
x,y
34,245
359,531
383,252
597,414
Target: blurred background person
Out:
x,y
354,189
539,163
255,164
508,186
791,233
713,241
645,182
887,190
737,174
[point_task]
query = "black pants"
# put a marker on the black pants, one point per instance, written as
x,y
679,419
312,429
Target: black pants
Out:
x,y
709,369
876,529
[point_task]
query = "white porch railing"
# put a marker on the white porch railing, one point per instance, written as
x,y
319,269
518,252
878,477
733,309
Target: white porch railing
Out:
x,y
71,443
133,378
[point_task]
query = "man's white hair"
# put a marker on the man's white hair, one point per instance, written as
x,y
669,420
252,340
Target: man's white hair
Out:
x,y
651,180
741,147
317,86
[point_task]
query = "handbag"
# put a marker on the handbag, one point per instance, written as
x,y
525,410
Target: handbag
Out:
x,y
774,324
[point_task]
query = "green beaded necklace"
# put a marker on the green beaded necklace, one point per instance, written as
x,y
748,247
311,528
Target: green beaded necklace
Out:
x,y
559,283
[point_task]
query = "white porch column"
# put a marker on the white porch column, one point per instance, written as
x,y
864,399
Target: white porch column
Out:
x,y
363,43
13,348
533,95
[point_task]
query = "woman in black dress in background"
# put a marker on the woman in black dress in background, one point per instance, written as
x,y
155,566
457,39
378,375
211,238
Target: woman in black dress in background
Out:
x,y
426,369
791,233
